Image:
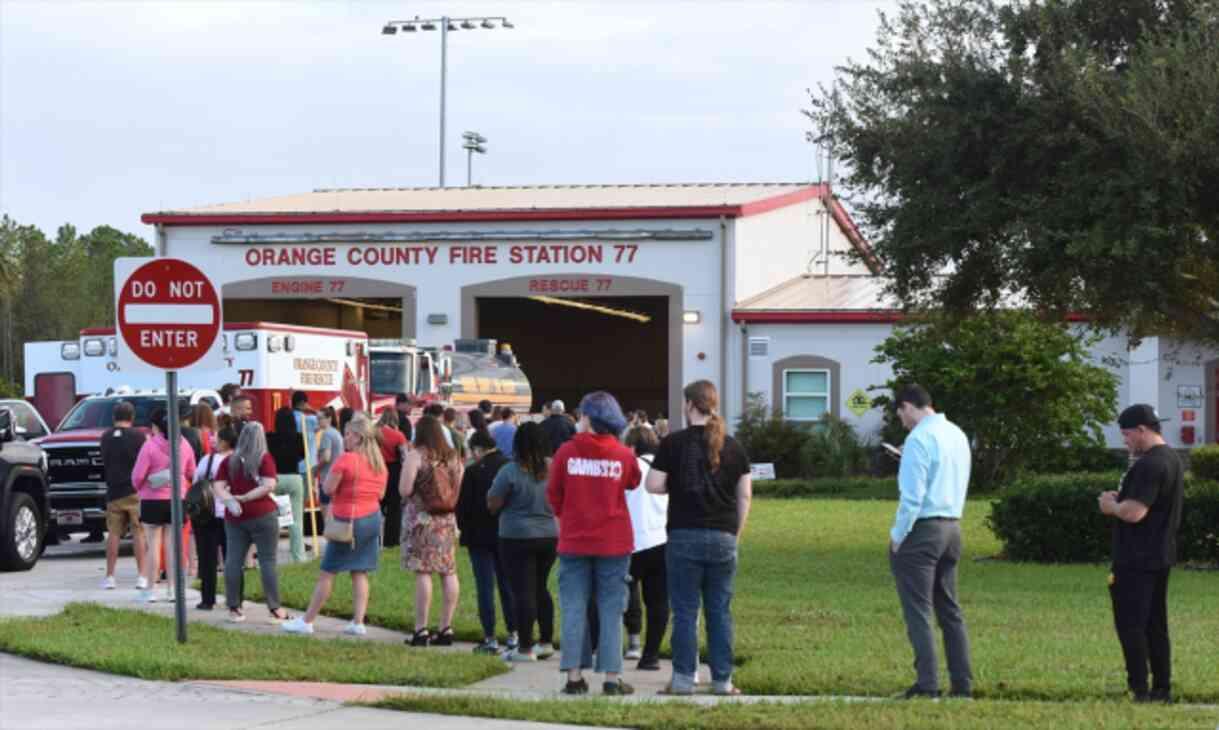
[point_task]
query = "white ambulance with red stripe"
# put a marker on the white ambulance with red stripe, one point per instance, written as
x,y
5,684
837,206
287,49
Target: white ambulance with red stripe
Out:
x,y
269,361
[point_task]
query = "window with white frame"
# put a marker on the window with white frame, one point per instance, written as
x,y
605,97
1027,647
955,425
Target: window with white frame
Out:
x,y
806,394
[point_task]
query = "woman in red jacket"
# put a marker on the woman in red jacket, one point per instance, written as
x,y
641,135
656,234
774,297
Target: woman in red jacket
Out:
x,y
587,491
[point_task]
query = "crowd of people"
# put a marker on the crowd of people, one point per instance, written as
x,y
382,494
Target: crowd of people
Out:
x,y
642,523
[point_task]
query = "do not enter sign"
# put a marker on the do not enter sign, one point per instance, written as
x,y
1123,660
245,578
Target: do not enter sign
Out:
x,y
168,313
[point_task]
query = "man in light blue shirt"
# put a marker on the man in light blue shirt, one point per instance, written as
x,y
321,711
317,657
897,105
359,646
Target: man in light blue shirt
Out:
x,y
925,542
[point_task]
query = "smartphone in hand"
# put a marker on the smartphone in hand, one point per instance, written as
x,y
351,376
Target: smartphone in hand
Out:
x,y
893,451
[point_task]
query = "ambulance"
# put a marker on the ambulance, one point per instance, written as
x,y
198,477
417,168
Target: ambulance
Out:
x,y
269,361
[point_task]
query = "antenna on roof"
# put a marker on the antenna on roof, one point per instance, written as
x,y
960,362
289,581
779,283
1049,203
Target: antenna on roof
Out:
x,y
823,160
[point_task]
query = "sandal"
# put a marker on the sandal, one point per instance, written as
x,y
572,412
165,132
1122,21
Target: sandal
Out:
x,y
420,638
732,691
444,637
668,690
236,616
279,615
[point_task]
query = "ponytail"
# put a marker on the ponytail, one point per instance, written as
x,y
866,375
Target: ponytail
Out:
x,y
715,440
702,395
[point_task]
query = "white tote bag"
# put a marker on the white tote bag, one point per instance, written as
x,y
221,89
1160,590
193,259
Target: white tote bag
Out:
x,y
283,506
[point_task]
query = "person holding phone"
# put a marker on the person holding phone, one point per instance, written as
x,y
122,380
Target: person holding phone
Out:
x,y
925,541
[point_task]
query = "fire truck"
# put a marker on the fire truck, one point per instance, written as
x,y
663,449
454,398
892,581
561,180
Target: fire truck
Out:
x,y
459,376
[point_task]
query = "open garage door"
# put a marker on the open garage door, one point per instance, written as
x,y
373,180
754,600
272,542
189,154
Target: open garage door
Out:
x,y
577,333
570,346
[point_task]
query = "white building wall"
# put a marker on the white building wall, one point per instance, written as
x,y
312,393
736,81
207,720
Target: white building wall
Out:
x,y
692,264
852,346
1149,374
1184,365
773,247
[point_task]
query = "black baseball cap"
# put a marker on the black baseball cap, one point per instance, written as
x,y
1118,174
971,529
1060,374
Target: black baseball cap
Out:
x,y
1140,414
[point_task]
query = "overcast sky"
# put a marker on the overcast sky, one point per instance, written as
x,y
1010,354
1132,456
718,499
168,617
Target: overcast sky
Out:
x,y
110,109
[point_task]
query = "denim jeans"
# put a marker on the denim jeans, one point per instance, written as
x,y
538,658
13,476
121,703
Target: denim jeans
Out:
x,y
701,566
580,576
488,572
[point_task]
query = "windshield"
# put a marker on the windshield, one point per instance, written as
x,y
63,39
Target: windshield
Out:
x,y
391,371
99,412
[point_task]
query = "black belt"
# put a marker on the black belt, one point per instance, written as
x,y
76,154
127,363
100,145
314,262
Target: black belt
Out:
x,y
938,519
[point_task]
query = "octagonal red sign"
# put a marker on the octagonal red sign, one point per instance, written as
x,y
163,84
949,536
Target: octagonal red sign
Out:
x,y
168,313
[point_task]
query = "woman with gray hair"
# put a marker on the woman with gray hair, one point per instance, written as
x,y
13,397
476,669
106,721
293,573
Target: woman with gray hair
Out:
x,y
245,482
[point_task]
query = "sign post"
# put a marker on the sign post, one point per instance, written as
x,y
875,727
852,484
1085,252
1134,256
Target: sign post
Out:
x,y
169,318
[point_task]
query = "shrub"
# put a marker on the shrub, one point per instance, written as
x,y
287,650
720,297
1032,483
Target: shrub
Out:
x,y
1054,519
1017,386
834,449
768,438
1204,462
1090,458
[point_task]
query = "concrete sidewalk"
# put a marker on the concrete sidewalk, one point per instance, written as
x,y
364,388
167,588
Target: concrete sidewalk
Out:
x,y
37,696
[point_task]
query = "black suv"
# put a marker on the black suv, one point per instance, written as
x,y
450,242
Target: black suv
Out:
x,y
23,478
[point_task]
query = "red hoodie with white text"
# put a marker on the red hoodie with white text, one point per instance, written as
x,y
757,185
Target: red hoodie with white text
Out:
x,y
587,491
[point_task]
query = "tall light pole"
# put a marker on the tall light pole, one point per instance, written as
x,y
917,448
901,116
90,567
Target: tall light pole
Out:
x,y
446,24
472,142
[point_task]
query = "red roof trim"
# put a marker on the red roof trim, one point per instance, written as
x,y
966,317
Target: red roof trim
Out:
x,y
266,326
823,316
451,216
766,205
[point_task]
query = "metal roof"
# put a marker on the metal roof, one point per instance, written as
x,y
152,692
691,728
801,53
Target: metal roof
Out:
x,y
811,297
517,198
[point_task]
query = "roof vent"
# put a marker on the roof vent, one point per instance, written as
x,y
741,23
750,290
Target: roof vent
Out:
x,y
759,347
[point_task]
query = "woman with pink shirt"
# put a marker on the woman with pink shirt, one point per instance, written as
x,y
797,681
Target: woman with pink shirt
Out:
x,y
152,479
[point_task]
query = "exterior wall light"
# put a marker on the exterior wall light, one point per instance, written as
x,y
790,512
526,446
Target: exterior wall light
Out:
x,y
691,316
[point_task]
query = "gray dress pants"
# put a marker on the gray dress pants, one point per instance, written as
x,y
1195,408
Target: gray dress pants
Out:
x,y
925,568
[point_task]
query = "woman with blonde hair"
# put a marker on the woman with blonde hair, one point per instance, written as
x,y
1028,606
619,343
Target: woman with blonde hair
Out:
x,y
355,483
429,538
705,472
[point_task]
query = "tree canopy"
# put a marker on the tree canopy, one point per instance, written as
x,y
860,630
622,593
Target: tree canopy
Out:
x,y
51,289
1063,153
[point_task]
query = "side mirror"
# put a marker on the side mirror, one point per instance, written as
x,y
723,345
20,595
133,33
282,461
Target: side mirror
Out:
x,y
6,425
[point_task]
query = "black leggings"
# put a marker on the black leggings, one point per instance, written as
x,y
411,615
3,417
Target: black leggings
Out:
x,y
527,563
648,572
391,507
209,542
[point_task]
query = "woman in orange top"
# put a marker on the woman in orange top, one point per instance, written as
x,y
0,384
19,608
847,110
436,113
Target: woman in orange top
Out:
x,y
355,484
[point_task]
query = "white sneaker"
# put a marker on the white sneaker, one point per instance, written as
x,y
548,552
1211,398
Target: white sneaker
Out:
x,y
633,652
354,629
109,583
543,651
141,583
169,595
146,596
297,626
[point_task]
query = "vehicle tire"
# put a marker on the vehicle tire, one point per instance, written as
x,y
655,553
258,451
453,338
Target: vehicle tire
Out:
x,y
20,538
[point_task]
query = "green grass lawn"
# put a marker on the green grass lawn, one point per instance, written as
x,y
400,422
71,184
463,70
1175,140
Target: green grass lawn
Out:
x,y
139,644
943,715
816,612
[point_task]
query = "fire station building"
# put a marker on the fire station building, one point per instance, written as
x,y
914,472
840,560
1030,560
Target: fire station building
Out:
x,y
634,289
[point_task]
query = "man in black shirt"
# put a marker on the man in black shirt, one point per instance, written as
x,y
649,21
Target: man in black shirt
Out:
x,y
1148,511
558,429
120,447
402,404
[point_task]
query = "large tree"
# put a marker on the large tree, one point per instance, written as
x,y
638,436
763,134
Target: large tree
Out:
x,y
1059,152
